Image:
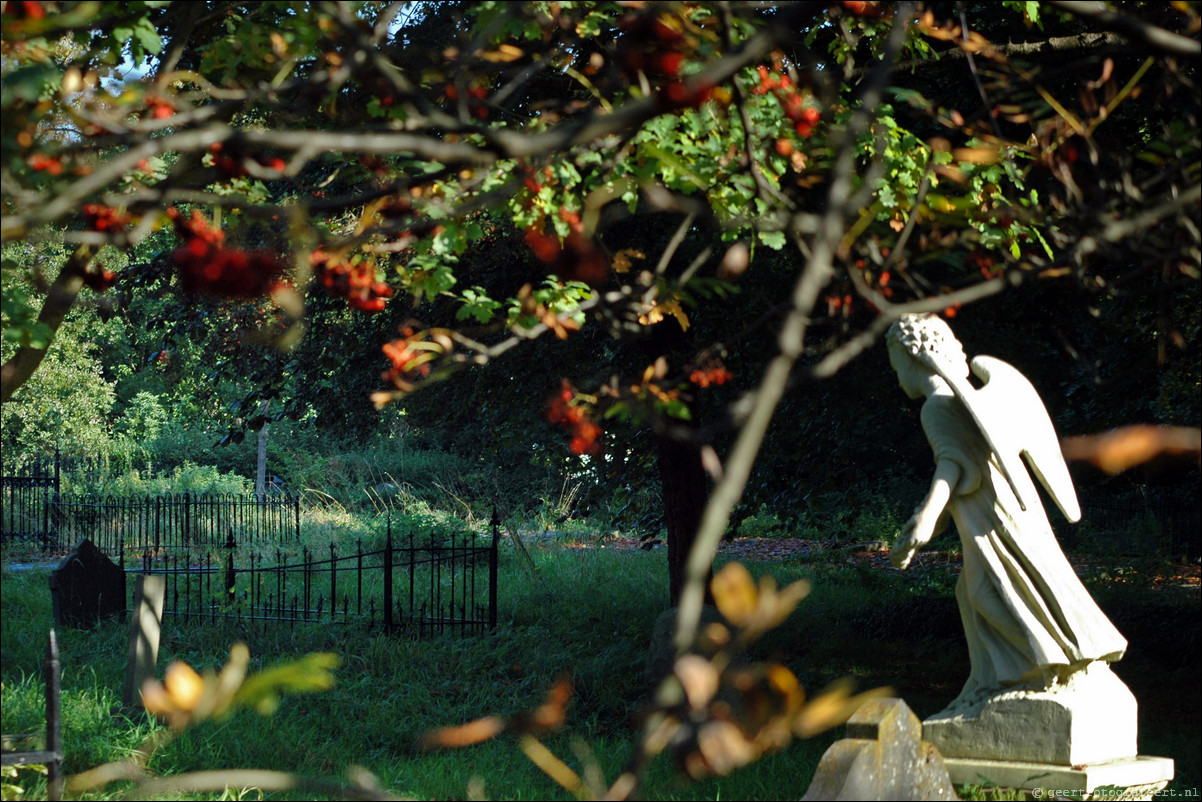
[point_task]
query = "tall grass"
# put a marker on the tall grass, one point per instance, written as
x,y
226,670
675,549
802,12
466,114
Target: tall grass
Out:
x,y
585,613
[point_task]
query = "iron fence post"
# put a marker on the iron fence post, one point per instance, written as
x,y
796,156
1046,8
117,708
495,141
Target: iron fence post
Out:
x,y
388,577
333,579
492,573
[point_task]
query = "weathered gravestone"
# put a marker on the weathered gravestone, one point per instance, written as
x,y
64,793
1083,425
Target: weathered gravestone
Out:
x,y
86,587
882,757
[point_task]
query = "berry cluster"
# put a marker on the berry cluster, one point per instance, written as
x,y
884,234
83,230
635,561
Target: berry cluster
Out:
x,y
712,373
207,266
575,259
39,162
655,45
803,114
983,262
652,45
25,10
355,282
475,99
104,218
859,8
231,162
100,279
411,357
562,412
160,108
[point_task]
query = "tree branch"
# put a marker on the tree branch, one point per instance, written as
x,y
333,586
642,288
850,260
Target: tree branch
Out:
x,y
1166,41
815,275
63,292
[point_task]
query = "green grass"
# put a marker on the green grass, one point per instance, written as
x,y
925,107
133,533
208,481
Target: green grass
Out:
x,y
587,613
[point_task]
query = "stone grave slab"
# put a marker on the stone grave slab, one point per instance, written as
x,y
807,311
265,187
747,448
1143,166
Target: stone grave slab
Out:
x,y
882,757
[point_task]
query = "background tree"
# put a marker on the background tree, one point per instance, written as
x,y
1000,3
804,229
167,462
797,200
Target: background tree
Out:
x,y
759,177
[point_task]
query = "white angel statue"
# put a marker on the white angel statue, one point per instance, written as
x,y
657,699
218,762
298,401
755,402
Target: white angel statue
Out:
x,y
1027,618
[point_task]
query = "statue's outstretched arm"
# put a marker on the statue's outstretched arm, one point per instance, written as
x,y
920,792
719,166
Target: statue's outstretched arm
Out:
x,y
919,530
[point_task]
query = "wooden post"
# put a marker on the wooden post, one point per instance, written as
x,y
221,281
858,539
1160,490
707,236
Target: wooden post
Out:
x,y
145,624
261,463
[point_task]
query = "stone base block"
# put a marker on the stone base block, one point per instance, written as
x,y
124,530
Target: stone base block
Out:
x,y
1138,777
1091,717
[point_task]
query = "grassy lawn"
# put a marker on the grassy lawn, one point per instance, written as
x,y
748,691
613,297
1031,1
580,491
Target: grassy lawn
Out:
x,y
585,613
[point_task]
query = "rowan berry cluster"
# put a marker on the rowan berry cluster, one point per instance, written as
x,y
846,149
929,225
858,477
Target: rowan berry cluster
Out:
x,y
160,108
104,218
475,99
355,282
231,162
39,162
800,110
573,417
25,10
99,279
712,373
408,364
577,258
207,266
655,45
411,357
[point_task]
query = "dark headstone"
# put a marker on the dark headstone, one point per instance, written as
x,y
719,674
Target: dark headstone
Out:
x,y
86,587
883,757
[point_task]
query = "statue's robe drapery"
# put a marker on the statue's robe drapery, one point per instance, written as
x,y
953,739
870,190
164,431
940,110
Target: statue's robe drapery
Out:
x,y
1024,609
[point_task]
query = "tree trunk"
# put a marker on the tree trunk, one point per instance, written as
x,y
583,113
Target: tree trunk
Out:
x,y
684,493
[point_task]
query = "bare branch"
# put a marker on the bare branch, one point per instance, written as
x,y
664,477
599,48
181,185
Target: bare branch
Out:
x,y
1163,40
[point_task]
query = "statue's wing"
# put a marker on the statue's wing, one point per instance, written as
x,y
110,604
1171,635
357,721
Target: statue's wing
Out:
x,y
1015,422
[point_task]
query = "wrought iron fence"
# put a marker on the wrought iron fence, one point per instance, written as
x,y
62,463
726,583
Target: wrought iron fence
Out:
x,y
29,490
419,585
178,522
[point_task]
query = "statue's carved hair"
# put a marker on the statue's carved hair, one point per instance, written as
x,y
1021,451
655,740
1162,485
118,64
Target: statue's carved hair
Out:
x,y
930,340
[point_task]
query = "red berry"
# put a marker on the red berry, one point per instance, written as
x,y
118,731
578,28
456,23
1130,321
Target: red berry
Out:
x,y
669,63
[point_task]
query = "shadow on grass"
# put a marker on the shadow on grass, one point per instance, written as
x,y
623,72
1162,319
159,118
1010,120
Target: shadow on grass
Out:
x,y
588,614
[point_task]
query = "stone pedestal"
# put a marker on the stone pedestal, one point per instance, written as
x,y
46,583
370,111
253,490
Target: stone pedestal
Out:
x,y
1089,718
1075,739
1129,778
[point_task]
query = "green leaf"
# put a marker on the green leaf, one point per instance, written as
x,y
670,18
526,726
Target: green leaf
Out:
x,y
147,36
313,672
773,239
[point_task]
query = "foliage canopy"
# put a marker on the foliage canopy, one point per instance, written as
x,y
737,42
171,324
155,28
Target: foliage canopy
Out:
x,y
750,193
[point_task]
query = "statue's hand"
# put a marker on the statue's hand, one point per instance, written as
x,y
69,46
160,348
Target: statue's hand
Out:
x,y
904,547
913,536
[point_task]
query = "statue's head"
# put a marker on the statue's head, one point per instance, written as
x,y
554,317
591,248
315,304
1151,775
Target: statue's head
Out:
x,y
928,340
